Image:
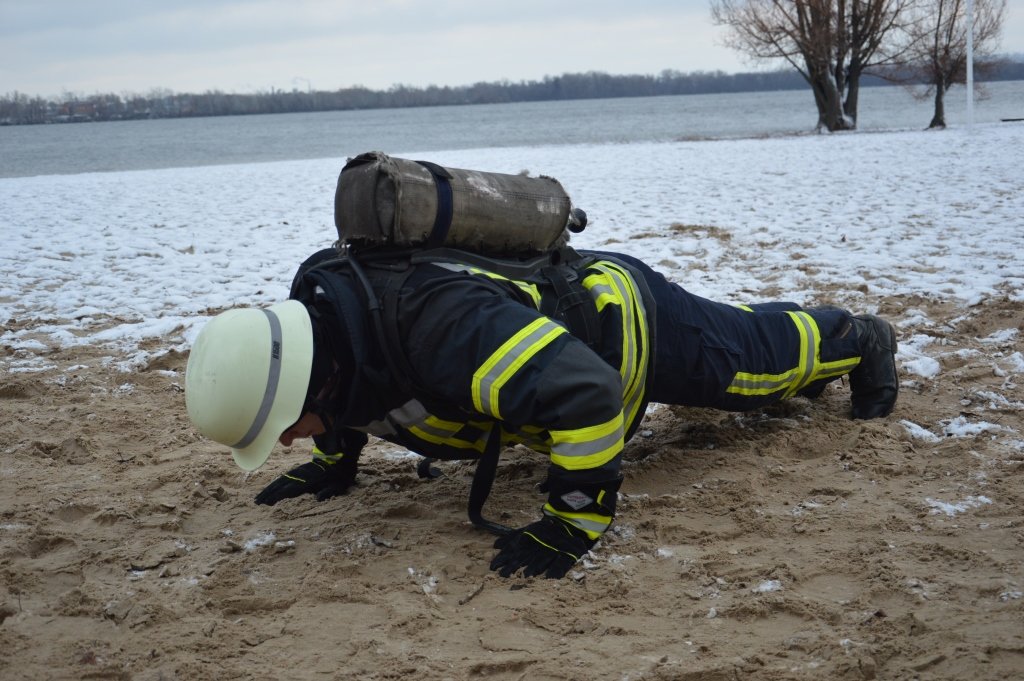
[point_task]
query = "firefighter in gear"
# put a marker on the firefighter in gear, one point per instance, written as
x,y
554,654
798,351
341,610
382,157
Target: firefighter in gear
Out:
x,y
453,361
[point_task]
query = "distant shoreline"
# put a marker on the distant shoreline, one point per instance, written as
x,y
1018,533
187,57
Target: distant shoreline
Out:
x,y
20,109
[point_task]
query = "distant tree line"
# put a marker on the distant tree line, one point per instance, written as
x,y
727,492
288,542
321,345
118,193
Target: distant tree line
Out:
x,y
18,108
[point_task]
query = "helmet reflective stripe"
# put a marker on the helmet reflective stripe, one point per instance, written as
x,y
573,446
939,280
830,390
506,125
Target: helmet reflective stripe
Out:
x,y
273,377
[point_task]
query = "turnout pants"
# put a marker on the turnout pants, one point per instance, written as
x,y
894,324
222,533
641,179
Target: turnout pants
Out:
x,y
710,354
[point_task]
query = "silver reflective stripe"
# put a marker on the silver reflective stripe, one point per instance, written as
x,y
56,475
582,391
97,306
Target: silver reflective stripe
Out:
x,y
273,378
410,413
766,386
437,431
590,525
640,354
522,351
454,267
590,446
587,525
621,291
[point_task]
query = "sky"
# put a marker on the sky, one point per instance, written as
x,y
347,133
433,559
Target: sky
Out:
x,y
136,46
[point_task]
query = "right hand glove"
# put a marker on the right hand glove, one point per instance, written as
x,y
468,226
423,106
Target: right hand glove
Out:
x,y
577,513
549,547
320,476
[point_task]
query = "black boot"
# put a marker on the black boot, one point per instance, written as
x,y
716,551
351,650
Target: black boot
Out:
x,y
874,383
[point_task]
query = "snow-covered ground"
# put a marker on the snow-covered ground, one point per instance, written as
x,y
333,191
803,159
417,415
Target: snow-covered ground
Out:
x,y
126,257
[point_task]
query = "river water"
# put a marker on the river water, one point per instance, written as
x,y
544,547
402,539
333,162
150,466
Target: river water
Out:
x,y
168,143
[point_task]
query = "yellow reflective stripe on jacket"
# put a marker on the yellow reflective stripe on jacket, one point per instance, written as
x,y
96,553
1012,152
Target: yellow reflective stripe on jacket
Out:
x,y
615,286
452,433
809,368
502,365
588,447
593,524
533,437
433,429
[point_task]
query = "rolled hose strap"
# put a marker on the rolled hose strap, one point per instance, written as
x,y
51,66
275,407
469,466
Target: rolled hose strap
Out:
x,y
445,204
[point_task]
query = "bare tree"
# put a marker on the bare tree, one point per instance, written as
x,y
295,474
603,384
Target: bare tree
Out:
x,y
937,37
832,43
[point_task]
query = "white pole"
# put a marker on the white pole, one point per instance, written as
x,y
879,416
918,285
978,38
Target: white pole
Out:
x,y
970,62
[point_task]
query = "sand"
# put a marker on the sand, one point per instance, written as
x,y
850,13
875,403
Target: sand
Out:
x,y
791,543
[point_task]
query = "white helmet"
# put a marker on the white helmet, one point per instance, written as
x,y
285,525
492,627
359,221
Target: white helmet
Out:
x,y
247,377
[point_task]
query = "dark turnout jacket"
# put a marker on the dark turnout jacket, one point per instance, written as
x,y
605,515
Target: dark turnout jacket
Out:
x,y
482,361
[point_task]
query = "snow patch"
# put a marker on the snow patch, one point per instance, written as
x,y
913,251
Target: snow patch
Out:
x,y
953,508
962,427
768,586
918,433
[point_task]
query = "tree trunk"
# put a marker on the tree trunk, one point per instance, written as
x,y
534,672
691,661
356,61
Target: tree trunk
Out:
x,y
830,103
939,118
852,98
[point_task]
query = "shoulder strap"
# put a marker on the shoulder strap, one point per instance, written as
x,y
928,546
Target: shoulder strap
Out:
x,y
573,305
384,314
524,269
342,298
558,268
321,270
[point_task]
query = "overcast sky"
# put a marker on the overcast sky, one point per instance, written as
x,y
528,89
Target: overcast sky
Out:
x,y
89,46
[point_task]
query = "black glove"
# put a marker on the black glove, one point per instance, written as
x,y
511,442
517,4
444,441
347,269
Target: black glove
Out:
x,y
550,546
320,477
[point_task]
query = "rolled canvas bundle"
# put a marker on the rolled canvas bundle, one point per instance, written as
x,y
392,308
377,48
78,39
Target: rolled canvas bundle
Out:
x,y
381,200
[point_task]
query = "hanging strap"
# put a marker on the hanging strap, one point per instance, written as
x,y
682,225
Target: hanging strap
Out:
x,y
483,479
426,470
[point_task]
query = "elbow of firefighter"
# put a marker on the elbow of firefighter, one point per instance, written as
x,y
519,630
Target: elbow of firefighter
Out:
x,y
589,434
587,394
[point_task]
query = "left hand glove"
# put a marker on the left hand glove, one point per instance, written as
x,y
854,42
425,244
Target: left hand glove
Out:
x,y
550,546
319,477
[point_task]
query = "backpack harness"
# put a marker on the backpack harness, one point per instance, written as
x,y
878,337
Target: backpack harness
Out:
x,y
381,274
